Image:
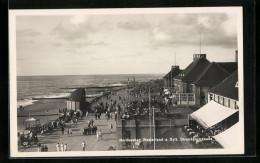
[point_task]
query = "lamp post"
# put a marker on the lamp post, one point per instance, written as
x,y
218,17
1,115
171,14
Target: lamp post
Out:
x,y
150,117
153,130
47,116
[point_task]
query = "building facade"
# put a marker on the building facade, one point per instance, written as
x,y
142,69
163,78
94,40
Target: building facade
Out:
x,y
168,78
221,112
200,76
77,100
226,92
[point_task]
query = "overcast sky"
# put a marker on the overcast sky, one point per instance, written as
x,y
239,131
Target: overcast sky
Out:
x,y
120,44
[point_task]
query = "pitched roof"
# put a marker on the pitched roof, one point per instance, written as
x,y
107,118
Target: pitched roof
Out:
x,y
194,70
212,75
228,66
227,87
174,71
77,95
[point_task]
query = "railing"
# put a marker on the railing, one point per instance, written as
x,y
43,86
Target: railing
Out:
x,y
184,98
50,126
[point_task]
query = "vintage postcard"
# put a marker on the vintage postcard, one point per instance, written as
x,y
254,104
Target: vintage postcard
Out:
x,y
126,82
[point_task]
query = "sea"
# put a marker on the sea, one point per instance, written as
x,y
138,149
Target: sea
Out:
x,y
29,87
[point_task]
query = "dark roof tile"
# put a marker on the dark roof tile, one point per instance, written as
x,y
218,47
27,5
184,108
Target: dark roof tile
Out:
x,y
230,67
174,72
77,95
227,87
212,75
194,70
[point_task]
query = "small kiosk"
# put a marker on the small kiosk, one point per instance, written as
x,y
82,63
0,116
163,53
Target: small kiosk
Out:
x,y
32,123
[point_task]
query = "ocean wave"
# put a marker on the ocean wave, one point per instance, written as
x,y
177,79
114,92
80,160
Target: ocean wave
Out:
x,y
94,95
58,95
25,102
117,84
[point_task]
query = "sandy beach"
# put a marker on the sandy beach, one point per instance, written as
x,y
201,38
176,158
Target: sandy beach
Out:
x,y
39,108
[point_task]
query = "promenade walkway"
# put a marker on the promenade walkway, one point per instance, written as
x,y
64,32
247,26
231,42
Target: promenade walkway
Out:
x,y
74,141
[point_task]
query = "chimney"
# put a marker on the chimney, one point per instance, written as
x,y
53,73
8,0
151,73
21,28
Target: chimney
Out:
x,y
197,56
175,67
236,56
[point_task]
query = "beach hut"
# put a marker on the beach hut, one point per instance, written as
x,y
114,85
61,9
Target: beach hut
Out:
x,y
31,123
77,100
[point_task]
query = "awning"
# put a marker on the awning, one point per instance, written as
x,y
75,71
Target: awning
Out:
x,y
211,114
230,137
30,120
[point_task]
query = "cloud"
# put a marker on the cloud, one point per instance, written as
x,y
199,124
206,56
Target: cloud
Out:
x,y
184,29
70,32
76,28
134,23
77,32
57,44
78,19
101,43
105,25
72,52
21,58
27,33
27,36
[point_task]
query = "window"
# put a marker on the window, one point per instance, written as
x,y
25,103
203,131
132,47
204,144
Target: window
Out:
x,y
210,97
232,104
236,105
226,102
216,98
221,100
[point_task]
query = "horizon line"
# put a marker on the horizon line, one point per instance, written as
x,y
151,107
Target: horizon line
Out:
x,y
90,74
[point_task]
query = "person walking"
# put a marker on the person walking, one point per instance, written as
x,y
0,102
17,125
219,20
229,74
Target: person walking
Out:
x,y
111,128
83,145
115,115
97,136
92,122
89,123
61,147
95,115
45,148
86,113
39,147
100,135
58,147
62,130
70,130
42,148
65,147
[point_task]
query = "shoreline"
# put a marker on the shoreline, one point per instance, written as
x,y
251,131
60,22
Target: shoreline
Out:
x,y
39,108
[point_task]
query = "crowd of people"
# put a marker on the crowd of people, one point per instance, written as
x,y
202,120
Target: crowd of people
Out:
x,y
42,148
134,103
195,130
60,147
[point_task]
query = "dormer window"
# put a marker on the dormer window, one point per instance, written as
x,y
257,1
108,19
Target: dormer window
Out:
x,y
236,85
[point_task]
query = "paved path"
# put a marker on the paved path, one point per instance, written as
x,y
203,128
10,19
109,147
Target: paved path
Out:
x,y
109,139
74,141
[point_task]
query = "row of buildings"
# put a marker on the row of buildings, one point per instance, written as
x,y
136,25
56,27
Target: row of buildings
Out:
x,y
220,115
198,77
215,88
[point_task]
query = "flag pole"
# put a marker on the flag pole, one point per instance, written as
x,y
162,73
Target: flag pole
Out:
x,y
150,117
